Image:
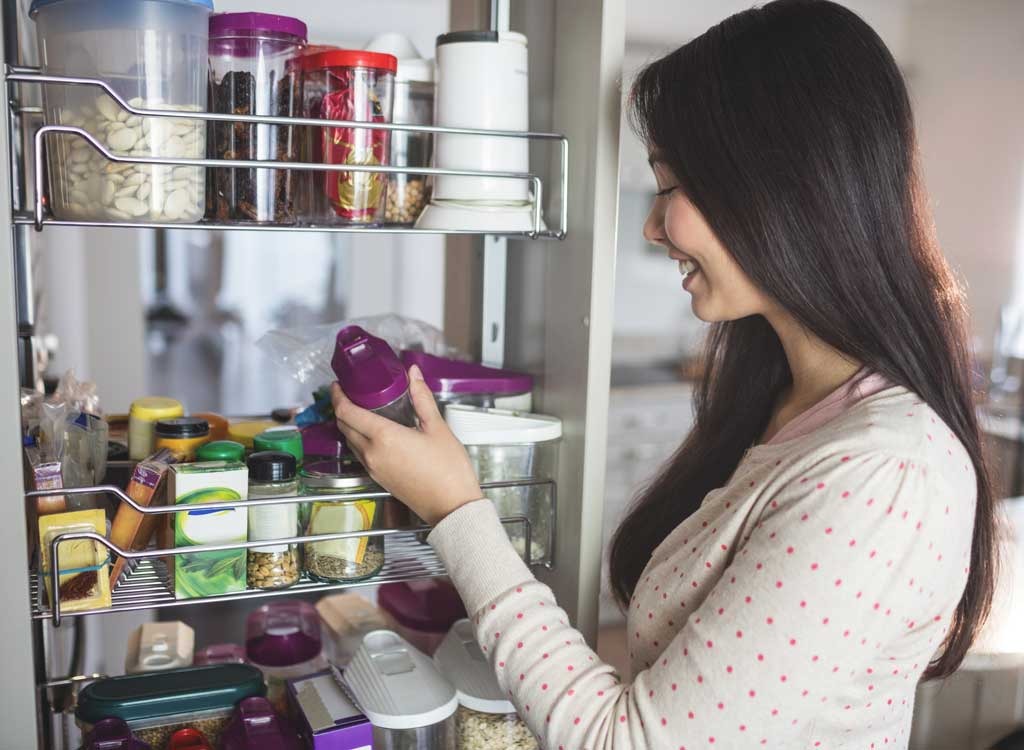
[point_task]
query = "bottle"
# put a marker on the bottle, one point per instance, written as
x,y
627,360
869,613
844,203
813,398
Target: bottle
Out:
x,y
272,474
372,375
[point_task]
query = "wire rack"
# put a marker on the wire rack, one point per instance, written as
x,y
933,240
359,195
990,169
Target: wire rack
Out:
x,y
40,216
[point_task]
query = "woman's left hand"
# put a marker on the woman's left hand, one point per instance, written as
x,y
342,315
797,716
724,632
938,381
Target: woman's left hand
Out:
x,y
427,469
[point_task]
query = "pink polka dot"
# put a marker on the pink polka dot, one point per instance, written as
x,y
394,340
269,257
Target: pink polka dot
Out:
x,y
622,719
739,633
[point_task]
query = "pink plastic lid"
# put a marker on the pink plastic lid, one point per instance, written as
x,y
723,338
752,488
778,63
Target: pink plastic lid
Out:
x,y
281,634
368,370
255,726
431,606
323,439
452,376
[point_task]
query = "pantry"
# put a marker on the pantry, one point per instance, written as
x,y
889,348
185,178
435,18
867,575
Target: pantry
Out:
x,y
152,114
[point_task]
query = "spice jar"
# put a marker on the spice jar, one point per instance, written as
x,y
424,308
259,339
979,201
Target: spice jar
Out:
x,y
182,436
353,85
142,416
285,439
272,474
250,74
352,558
221,450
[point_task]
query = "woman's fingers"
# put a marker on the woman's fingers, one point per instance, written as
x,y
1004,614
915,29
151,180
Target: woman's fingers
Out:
x,y
355,439
423,400
360,419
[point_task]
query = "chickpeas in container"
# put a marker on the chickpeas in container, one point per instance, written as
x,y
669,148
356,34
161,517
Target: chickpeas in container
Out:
x,y
485,719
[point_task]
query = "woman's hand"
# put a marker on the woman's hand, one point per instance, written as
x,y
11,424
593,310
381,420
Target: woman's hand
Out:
x,y
427,469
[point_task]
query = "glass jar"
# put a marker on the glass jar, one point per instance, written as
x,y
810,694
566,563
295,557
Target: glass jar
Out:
x,y
142,415
414,105
272,474
250,74
352,85
183,436
353,558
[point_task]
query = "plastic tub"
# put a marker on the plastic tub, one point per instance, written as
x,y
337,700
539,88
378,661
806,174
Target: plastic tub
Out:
x,y
151,52
506,446
421,611
251,74
283,639
351,85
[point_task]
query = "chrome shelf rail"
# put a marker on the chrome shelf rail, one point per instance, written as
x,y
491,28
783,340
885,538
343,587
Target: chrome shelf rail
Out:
x,y
15,74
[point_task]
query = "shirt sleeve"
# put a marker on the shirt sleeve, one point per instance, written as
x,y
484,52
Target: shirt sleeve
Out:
x,y
808,600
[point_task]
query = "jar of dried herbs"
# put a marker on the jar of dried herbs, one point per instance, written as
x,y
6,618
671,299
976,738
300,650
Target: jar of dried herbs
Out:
x,y
352,558
253,72
272,474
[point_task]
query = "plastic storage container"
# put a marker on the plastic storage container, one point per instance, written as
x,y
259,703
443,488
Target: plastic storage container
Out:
x,y
152,54
486,719
372,375
158,646
353,85
352,558
414,105
505,446
347,618
456,382
158,704
283,639
112,734
255,726
409,703
142,416
422,612
251,74
272,474
189,739
323,440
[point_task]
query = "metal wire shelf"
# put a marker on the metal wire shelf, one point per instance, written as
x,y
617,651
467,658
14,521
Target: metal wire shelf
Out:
x,y
39,217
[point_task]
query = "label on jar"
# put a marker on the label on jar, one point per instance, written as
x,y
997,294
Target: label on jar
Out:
x,y
333,518
273,522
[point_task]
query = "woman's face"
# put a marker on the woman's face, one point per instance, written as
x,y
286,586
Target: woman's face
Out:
x,y
718,288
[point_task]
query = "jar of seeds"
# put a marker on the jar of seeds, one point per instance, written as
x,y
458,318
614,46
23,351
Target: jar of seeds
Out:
x,y
352,558
272,474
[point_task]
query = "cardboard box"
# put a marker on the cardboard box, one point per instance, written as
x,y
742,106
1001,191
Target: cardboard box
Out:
x,y
84,582
204,574
131,530
328,719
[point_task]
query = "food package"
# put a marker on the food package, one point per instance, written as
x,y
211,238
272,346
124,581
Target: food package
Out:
x,y
203,574
84,583
132,530
326,715
41,474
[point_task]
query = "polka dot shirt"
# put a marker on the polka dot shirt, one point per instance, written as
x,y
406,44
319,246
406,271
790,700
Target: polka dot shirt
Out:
x,y
797,608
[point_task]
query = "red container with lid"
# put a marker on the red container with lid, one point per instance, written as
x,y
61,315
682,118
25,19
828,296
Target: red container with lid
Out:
x,y
354,85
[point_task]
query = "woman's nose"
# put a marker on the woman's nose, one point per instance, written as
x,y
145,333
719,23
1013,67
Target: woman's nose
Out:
x,y
654,225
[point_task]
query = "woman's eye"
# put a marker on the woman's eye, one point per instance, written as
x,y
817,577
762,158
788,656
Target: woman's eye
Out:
x,y
666,191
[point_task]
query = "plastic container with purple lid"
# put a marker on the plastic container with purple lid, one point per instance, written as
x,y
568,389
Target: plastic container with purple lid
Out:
x,y
455,382
422,612
112,734
283,640
372,375
251,74
255,726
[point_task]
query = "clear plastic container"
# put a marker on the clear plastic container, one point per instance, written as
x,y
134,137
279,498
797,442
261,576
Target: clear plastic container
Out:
x,y
251,74
283,639
346,85
276,566
352,558
151,52
480,730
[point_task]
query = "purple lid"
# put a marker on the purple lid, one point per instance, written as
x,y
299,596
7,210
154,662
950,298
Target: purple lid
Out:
x,y
368,370
323,439
219,653
223,24
281,634
112,734
430,606
255,726
452,376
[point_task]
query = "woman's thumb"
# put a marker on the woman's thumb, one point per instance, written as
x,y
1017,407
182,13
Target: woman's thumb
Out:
x,y
422,399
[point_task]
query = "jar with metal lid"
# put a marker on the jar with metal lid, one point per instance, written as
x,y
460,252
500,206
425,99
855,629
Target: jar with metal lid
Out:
x,y
352,558
142,416
272,474
182,435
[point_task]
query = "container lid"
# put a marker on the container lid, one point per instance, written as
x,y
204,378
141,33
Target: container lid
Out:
x,y
271,466
39,4
190,739
281,634
457,37
182,427
338,474
411,65
429,606
368,370
323,439
286,439
112,734
396,686
223,24
152,408
220,653
465,666
350,58
179,691
221,450
475,426
244,432
256,726
452,376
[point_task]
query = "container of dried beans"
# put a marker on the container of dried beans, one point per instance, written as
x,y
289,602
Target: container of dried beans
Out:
x,y
252,72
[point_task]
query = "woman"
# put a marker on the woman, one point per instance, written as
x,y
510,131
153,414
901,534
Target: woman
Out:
x,y
824,536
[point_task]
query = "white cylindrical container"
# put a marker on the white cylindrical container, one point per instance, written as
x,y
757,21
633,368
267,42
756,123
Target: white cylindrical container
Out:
x,y
482,82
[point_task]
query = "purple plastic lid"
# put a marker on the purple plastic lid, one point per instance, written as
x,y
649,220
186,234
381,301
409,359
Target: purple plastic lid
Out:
x,y
368,370
323,439
281,634
431,606
254,23
255,726
452,376
112,734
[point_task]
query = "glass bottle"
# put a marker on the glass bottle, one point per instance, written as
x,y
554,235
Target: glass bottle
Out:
x,y
272,474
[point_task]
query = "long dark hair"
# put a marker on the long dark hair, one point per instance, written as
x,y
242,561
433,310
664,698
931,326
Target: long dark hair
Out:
x,y
789,127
